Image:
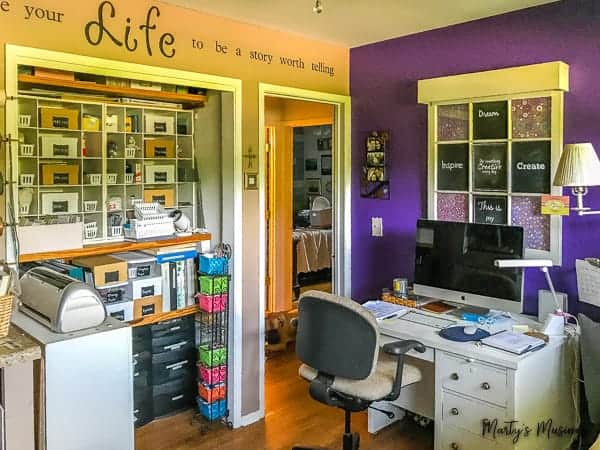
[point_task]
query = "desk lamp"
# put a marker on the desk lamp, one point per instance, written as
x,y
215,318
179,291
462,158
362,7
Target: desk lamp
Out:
x,y
579,168
555,321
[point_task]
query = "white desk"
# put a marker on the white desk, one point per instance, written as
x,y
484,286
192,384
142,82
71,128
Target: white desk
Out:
x,y
464,383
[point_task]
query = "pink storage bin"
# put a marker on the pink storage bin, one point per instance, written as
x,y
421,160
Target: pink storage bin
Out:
x,y
212,375
212,303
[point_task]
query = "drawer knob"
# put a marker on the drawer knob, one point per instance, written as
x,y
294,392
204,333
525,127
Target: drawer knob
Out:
x,y
485,386
454,412
454,376
454,446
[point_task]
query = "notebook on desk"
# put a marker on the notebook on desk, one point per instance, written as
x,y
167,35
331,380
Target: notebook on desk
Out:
x,y
384,310
516,343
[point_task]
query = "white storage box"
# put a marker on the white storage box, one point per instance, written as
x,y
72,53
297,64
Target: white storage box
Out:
x,y
50,238
90,205
27,179
111,178
56,146
24,120
146,229
111,123
27,149
130,152
139,264
94,179
60,203
122,311
159,124
115,230
145,287
90,230
128,178
160,174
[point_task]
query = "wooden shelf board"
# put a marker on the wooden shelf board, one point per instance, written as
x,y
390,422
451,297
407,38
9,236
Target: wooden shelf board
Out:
x,y
154,318
190,100
113,247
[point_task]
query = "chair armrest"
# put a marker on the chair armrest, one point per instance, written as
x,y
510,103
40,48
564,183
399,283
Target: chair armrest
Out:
x,y
398,349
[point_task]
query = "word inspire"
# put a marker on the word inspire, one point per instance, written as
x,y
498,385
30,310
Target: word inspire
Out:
x,y
489,166
488,113
452,165
95,31
515,431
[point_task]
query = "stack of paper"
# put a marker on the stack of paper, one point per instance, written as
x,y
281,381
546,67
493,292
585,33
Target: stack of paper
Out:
x,y
513,342
384,310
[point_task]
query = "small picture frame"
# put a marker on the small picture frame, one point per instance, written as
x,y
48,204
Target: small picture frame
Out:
x,y
312,186
251,181
325,164
375,159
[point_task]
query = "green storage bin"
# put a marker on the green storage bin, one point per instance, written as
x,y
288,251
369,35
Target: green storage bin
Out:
x,y
212,356
211,285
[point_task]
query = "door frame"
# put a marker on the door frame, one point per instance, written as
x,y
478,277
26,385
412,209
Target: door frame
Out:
x,y
341,133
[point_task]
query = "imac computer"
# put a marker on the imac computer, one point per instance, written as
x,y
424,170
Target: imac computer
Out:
x,y
455,262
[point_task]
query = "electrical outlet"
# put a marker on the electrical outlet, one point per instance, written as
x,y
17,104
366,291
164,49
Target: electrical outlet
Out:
x,y
376,226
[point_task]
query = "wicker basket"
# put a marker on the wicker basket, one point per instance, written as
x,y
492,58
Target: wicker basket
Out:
x,y
6,305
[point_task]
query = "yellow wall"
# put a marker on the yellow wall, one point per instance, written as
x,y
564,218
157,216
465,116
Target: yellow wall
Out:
x,y
61,26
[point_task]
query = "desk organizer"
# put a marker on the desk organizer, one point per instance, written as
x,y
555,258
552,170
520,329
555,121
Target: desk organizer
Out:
x,y
212,332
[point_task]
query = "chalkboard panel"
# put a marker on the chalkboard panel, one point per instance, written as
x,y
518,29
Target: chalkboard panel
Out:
x,y
531,167
453,167
491,210
490,120
489,167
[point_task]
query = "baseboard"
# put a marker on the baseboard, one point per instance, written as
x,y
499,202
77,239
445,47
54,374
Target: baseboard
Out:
x,y
249,419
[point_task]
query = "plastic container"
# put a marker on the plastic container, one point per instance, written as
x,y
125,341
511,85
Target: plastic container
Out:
x,y
212,303
212,375
24,120
26,149
128,178
90,205
211,285
213,265
111,178
212,411
24,208
27,179
94,179
212,356
212,393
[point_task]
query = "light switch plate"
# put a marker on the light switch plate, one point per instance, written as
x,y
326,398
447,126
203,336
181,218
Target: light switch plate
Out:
x,y
376,226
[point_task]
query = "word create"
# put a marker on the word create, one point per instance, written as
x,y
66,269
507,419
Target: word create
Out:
x,y
530,166
95,31
40,13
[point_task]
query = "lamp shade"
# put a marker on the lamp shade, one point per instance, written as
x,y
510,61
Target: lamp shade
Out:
x,y
578,166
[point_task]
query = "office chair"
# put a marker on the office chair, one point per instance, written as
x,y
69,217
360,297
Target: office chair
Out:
x,y
338,343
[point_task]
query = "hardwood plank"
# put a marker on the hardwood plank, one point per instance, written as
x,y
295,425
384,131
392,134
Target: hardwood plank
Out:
x,y
291,418
159,317
190,100
114,247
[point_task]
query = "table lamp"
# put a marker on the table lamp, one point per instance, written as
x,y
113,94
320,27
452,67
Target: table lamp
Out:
x,y
555,322
579,168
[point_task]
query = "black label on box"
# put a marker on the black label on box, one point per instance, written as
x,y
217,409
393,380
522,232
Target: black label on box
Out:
x,y
114,296
148,309
119,315
160,127
160,177
111,277
60,150
60,178
60,206
490,210
60,122
160,152
147,291
142,271
160,199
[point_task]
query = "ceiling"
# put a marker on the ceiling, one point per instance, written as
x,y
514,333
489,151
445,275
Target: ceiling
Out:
x,y
356,22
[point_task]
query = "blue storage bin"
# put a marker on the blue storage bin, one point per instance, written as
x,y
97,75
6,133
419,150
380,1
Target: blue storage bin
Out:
x,y
213,265
212,411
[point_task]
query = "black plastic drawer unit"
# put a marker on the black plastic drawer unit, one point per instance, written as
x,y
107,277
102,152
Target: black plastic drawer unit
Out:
x,y
173,396
172,365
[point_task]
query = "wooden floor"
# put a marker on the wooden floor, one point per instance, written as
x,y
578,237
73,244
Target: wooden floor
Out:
x,y
292,417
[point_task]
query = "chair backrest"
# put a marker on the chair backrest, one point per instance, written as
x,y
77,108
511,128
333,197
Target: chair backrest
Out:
x,y
336,336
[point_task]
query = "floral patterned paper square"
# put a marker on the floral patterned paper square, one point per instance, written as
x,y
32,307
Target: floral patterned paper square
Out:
x,y
453,207
531,117
526,212
453,122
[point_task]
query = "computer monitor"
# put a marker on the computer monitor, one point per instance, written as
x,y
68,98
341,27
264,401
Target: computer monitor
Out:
x,y
455,262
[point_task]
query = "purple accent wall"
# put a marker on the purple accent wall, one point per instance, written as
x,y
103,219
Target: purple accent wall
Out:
x,y
383,85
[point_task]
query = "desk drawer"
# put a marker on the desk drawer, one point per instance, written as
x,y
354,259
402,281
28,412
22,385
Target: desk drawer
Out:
x,y
476,379
466,414
456,439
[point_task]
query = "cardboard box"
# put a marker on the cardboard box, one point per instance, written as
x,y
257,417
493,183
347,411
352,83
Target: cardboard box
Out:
x,y
59,118
145,287
60,174
50,238
159,148
56,146
105,270
166,197
147,306
162,173
159,123
90,123
60,203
